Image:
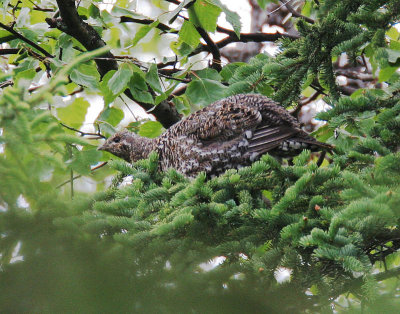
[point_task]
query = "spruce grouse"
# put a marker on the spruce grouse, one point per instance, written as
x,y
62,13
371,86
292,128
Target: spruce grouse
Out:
x,y
230,133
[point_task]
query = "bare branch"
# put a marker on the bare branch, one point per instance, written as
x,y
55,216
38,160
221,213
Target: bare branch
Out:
x,y
297,14
98,134
28,41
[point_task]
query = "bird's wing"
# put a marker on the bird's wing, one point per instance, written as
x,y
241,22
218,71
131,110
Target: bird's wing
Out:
x,y
269,137
221,121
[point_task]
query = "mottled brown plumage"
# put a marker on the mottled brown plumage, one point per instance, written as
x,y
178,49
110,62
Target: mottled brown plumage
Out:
x,y
230,133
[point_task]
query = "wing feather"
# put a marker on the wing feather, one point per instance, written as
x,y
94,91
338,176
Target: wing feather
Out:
x,y
265,139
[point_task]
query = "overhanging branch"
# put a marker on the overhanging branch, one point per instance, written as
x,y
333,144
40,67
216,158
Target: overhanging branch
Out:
x,y
72,24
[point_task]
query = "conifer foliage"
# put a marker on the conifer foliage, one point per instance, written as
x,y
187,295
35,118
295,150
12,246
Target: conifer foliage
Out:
x,y
157,241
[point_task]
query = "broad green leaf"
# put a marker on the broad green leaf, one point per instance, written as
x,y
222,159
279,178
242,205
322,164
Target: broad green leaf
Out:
x,y
25,75
74,114
189,35
206,14
119,81
232,17
107,93
142,96
153,79
204,91
160,98
119,11
182,104
393,55
263,3
82,160
395,45
150,129
207,73
171,16
143,31
386,73
86,75
306,10
111,115
138,82
393,33
94,11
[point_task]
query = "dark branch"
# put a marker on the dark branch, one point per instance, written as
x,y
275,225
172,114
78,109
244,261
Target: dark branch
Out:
x,y
98,134
28,41
297,14
212,47
160,26
36,8
11,51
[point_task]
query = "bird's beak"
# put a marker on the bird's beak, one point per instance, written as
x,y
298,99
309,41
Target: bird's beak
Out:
x,y
102,147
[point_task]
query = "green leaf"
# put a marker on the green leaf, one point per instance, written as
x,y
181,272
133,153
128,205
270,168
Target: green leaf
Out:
x,y
143,31
153,79
86,75
205,14
150,129
182,104
74,114
171,16
208,73
119,11
393,55
386,73
107,93
189,35
83,159
232,17
138,82
94,11
111,115
119,81
142,96
263,3
204,91
25,75
393,33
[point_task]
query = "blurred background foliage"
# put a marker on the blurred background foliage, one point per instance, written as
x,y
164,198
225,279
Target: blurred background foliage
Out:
x,y
80,235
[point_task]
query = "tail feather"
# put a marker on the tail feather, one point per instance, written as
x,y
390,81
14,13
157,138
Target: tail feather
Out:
x,y
267,138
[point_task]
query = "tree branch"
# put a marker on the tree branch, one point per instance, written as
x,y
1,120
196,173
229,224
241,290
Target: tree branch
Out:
x,y
212,47
28,41
98,134
72,24
297,14
160,26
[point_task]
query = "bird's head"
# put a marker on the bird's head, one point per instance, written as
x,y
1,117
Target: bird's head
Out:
x,y
126,145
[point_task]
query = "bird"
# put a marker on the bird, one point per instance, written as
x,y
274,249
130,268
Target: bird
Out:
x,y
229,133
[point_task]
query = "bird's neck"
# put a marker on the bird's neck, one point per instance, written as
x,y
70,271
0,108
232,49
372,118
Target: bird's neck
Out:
x,y
147,146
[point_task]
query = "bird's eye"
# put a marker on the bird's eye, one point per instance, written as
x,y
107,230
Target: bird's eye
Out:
x,y
117,139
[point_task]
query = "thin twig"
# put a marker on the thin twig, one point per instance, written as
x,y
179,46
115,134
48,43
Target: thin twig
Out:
x,y
297,14
79,176
213,48
98,134
280,7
